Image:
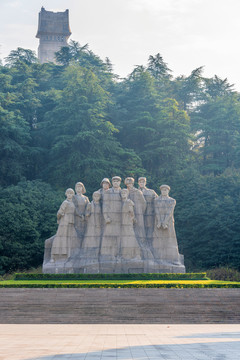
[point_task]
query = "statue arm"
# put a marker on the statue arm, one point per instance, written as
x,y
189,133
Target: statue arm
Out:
x,y
106,216
87,200
88,210
131,212
142,201
61,211
169,215
155,195
157,215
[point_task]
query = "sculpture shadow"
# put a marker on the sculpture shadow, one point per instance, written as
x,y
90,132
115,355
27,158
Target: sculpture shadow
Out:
x,y
226,350
233,335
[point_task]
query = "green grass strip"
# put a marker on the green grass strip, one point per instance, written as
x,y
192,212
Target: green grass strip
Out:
x,y
148,276
119,284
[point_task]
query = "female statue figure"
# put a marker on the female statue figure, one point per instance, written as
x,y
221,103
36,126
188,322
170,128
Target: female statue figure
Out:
x,y
92,238
80,201
65,242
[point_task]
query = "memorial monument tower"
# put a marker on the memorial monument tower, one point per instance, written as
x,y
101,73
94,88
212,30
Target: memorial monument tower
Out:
x,y
53,33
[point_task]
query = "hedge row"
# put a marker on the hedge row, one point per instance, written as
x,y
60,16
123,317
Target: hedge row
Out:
x,y
103,286
163,276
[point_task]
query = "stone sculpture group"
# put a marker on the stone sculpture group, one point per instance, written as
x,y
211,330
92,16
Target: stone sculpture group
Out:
x,y
126,230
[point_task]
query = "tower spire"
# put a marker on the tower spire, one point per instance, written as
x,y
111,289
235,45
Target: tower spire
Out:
x,y
53,33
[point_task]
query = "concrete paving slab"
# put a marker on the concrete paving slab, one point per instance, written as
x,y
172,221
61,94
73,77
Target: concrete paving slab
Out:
x,y
119,342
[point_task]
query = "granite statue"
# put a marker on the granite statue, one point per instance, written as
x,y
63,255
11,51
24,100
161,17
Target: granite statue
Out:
x,y
164,236
66,242
80,201
125,230
149,196
130,248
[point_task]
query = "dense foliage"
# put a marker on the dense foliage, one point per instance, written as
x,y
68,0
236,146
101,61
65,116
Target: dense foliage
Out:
x,y
28,217
224,273
77,121
146,276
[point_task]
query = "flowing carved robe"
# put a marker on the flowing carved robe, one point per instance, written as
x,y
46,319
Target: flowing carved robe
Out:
x,y
129,246
164,239
112,208
65,242
80,202
92,238
139,208
149,196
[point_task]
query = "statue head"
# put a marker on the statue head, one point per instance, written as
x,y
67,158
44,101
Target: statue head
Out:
x,y
80,188
116,181
105,184
96,196
164,190
142,181
124,194
69,193
129,182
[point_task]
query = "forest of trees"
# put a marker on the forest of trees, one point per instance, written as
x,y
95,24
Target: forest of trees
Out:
x,y
78,121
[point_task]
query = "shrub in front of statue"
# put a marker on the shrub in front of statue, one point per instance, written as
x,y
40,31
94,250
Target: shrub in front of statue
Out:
x,y
224,273
149,276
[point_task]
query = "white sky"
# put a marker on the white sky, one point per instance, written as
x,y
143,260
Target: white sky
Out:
x,y
187,33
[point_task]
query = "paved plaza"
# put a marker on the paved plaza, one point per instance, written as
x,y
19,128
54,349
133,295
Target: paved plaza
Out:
x,y
125,342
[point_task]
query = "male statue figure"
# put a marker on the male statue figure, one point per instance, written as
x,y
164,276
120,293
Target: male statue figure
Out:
x,y
164,236
149,196
130,249
89,253
111,208
140,206
105,185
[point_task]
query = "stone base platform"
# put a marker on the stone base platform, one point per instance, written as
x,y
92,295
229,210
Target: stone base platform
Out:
x,y
110,267
119,306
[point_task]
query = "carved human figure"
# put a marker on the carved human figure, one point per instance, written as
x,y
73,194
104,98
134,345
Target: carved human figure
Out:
x,y
105,185
112,208
92,239
164,236
80,201
65,242
139,207
149,196
129,246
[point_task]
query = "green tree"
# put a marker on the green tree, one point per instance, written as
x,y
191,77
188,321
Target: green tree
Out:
x,y
207,219
188,90
154,128
79,135
158,68
217,127
14,138
71,53
77,54
14,134
21,55
28,217
216,87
